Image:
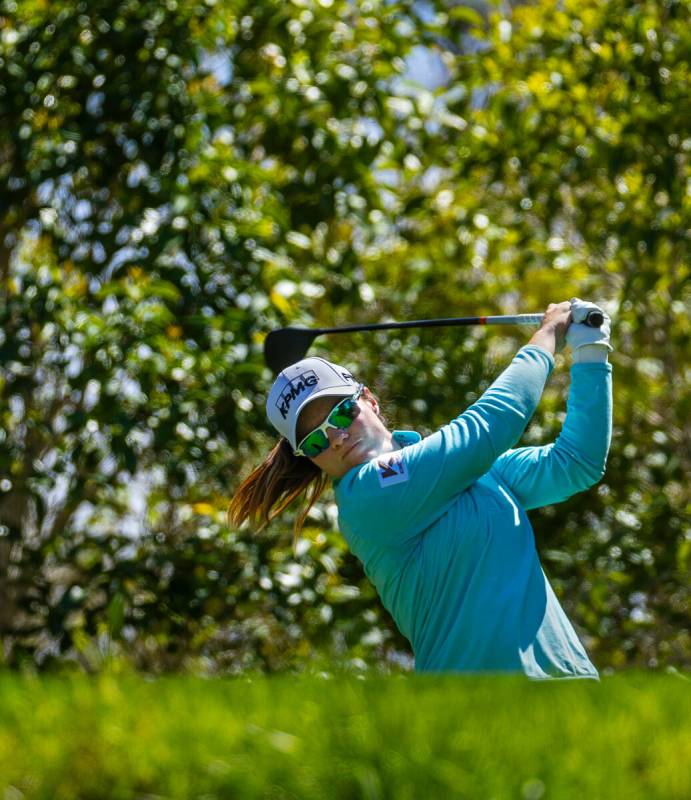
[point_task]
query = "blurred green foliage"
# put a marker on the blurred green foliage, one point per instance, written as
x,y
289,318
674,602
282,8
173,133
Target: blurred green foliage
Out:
x,y
178,178
288,736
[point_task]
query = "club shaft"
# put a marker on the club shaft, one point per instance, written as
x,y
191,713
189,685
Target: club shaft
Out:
x,y
506,319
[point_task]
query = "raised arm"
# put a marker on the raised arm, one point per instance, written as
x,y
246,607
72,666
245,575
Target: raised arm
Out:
x,y
539,476
423,477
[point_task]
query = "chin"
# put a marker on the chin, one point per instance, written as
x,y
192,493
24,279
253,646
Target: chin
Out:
x,y
361,453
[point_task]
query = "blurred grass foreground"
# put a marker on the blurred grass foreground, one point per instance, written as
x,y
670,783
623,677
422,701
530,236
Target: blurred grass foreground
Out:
x,y
122,736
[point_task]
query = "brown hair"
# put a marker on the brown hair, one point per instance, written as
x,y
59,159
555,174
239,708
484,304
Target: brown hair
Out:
x,y
277,481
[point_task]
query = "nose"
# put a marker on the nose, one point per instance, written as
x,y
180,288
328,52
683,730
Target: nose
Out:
x,y
336,437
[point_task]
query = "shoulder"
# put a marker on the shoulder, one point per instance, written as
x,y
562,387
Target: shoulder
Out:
x,y
379,473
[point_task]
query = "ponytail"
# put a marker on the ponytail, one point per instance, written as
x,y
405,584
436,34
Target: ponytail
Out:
x,y
277,481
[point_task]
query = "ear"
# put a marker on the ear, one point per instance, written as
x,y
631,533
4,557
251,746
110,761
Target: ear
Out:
x,y
371,399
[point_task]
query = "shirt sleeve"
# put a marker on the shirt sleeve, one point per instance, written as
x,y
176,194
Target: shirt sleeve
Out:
x,y
397,495
539,476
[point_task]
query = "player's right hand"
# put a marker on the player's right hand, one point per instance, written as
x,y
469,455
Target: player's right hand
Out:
x,y
556,320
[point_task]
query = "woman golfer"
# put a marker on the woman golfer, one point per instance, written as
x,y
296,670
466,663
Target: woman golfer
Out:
x,y
440,523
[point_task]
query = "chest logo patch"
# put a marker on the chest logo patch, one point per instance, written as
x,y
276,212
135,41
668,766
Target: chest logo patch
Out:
x,y
391,470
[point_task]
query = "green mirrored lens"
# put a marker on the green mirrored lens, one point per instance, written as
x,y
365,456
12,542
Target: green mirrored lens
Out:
x,y
314,444
343,414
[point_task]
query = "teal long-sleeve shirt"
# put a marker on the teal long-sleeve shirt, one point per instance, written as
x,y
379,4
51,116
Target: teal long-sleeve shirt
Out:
x,y
441,528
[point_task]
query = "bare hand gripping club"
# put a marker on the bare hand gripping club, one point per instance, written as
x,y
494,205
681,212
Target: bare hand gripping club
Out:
x,y
285,346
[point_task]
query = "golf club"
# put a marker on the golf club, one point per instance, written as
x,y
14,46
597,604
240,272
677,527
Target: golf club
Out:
x,y
285,346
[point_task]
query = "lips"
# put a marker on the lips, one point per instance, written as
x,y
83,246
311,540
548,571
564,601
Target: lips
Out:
x,y
355,444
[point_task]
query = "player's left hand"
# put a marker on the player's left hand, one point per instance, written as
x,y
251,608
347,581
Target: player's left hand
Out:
x,y
580,335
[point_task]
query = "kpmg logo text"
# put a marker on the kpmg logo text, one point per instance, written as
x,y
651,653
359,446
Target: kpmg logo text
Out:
x,y
294,389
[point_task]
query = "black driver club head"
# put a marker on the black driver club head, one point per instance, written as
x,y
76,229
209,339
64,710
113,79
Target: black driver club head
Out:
x,y
285,346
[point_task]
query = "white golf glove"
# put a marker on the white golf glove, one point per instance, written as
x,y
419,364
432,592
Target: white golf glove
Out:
x,y
586,343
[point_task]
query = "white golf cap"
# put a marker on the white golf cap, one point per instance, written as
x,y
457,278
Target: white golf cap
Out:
x,y
299,384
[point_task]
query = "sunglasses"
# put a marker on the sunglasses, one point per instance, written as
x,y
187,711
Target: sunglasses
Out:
x,y
340,417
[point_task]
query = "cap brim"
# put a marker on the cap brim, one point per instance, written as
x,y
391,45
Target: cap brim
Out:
x,y
334,391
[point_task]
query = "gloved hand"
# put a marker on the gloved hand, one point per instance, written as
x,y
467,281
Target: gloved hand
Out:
x,y
579,336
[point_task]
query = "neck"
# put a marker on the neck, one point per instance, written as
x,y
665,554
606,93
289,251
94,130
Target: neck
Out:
x,y
389,444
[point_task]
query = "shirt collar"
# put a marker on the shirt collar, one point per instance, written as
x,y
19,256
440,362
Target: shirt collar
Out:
x,y
404,438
